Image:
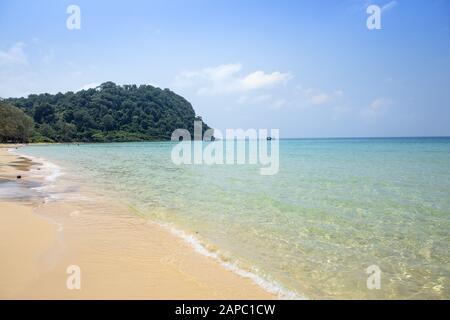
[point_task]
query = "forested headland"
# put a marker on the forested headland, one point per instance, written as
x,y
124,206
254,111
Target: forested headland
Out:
x,y
108,113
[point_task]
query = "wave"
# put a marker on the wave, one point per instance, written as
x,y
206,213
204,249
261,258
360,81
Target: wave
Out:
x,y
46,170
269,286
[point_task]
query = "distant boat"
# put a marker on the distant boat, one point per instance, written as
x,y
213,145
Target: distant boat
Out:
x,y
270,138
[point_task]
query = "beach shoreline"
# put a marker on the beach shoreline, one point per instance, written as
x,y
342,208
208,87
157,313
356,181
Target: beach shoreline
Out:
x,y
120,255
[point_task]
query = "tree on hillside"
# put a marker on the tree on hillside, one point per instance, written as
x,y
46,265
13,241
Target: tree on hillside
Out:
x,y
15,125
108,122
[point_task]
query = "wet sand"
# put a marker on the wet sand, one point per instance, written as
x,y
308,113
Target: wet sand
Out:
x,y
119,254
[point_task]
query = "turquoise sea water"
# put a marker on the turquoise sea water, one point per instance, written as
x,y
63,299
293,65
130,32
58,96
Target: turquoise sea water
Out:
x,y
336,207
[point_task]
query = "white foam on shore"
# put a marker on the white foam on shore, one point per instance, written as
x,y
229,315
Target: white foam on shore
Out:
x,y
47,170
269,286
53,169
50,172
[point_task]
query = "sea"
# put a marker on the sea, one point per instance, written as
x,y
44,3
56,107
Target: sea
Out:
x,y
359,218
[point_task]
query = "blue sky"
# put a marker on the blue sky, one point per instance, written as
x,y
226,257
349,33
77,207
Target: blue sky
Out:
x,y
310,68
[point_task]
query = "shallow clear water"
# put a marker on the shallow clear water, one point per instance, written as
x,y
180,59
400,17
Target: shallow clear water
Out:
x,y
336,207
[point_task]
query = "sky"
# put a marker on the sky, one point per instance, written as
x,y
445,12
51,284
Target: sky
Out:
x,y
310,68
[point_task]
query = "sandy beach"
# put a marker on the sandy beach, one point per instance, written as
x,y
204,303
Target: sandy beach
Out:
x,y
120,255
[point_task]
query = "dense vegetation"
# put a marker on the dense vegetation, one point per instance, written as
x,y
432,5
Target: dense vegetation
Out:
x,y
15,125
106,113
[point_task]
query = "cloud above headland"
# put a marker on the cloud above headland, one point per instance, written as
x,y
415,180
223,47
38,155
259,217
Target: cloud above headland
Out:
x,y
229,78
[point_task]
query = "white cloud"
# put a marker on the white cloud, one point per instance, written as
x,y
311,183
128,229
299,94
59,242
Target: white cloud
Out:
x,y
388,6
259,79
91,85
222,72
377,108
380,103
317,97
227,78
14,56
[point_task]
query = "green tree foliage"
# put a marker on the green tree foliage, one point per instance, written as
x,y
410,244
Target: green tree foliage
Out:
x,y
15,125
108,113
